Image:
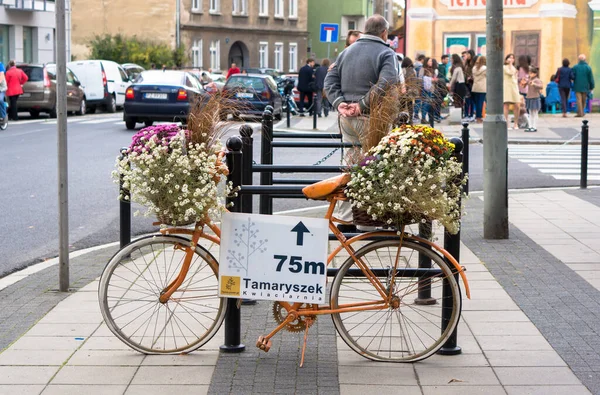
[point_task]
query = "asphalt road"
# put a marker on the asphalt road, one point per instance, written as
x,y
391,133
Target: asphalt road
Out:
x,y
29,202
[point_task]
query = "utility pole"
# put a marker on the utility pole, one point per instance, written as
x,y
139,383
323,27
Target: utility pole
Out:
x,y
495,145
61,127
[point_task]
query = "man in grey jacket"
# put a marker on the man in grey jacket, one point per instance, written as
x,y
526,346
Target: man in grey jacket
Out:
x,y
367,65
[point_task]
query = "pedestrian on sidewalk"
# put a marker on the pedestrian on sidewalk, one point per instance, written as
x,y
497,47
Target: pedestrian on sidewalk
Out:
x,y
418,65
410,77
232,70
511,90
479,87
306,85
552,94
469,58
443,68
523,74
15,78
366,66
428,78
457,85
583,84
321,104
3,88
533,102
564,79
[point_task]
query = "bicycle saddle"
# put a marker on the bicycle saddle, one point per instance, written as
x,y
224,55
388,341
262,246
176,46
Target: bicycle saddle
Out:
x,y
323,189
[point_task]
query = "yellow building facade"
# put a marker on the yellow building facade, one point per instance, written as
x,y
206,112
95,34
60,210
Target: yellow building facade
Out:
x,y
546,30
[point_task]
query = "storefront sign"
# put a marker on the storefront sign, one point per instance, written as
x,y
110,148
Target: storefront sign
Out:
x,y
480,4
268,257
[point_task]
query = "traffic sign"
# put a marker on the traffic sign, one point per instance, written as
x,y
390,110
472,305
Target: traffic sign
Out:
x,y
267,257
329,32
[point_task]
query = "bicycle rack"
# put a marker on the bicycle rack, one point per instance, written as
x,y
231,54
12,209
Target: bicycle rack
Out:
x,y
241,169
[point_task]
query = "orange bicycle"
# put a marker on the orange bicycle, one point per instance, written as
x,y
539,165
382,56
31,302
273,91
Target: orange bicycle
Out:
x,y
159,293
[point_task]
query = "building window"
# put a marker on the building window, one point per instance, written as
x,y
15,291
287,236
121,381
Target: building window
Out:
x,y
278,8
196,5
240,7
293,14
293,57
215,55
215,6
386,11
263,7
27,44
263,54
4,50
279,56
351,25
197,54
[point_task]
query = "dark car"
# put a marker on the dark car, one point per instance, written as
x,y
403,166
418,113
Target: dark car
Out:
x,y
263,70
159,95
251,93
39,92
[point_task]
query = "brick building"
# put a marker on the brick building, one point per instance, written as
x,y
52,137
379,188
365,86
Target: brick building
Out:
x,y
252,33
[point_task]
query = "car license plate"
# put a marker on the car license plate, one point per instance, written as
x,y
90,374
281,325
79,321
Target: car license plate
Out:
x,y
159,96
26,95
243,95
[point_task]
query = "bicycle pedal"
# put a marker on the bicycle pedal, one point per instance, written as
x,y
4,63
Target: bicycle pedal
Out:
x,y
263,344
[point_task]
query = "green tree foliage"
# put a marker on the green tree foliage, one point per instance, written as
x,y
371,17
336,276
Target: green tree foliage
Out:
x,y
123,49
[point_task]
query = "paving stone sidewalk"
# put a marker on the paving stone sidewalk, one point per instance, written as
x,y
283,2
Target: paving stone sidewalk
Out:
x,y
563,306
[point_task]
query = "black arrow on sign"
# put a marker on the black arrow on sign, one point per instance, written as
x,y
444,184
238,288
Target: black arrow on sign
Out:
x,y
300,229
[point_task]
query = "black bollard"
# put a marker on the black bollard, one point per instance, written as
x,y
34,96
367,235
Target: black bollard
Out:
x,y
314,111
465,154
266,158
247,141
124,210
247,150
424,291
585,130
233,315
288,113
452,245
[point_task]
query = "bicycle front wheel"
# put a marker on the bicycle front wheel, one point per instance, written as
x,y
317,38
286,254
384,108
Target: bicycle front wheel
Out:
x,y
412,327
133,281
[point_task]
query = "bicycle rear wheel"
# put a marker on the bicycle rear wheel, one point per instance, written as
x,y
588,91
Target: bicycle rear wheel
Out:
x,y
133,281
413,330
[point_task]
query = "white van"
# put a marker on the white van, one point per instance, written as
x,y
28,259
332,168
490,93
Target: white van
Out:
x,y
104,83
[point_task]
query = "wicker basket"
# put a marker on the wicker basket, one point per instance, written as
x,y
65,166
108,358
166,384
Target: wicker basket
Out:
x,y
167,220
360,217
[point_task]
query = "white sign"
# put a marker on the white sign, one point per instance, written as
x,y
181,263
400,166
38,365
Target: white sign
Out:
x,y
480,4
269,257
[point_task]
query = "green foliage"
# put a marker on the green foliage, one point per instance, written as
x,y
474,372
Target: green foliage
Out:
x,y
123,49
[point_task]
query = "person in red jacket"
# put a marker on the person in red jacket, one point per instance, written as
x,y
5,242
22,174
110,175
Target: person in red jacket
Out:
x,y
15,78
233,70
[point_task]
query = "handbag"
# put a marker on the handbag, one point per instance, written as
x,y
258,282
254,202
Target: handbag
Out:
x,y
557,79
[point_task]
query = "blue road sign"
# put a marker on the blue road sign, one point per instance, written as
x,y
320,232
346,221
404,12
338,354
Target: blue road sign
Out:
x,y
329,32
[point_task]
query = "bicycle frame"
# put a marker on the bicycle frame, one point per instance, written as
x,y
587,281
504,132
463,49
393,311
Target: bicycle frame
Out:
x,y
346,244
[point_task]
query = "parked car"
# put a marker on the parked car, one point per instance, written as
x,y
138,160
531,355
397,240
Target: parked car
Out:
x,y
132,70
159,95
251,93
104,83
264,70
39,92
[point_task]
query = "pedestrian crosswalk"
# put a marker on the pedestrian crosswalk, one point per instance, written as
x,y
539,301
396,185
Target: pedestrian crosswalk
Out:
x,y
561,162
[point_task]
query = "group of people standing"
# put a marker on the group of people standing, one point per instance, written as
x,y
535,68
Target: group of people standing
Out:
x,y
430,81
522,83
579,78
